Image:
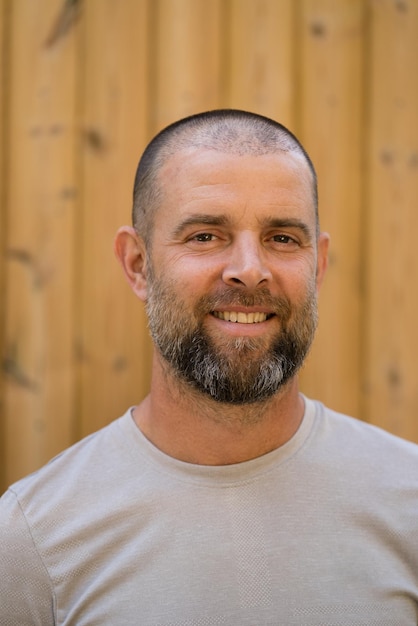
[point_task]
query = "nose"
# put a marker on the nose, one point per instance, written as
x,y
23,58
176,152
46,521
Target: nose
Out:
x,y
246,264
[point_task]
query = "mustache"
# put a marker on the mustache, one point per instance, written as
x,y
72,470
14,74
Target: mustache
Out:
x,y
236,297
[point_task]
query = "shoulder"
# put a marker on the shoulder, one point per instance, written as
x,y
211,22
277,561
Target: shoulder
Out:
x,y
21,561
370,449
77,471
359,431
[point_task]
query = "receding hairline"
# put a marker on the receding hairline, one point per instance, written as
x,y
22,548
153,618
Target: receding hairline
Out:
x,y
229,131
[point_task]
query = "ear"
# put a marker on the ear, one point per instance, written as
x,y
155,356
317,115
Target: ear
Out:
x,y
130,250
322,258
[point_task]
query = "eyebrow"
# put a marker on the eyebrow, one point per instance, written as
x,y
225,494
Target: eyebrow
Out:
x,y
276,222
199,218
222,220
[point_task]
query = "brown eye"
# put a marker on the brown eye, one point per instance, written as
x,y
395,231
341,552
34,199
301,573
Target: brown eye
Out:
x,y
283,239
204,237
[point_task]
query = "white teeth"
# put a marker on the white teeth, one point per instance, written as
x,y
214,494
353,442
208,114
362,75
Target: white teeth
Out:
x,y
241,318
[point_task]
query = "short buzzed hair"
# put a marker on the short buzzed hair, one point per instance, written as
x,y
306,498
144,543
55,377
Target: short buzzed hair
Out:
x,y
229,131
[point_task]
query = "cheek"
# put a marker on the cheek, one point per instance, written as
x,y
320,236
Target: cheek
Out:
x,y
297,282
191,274
292,275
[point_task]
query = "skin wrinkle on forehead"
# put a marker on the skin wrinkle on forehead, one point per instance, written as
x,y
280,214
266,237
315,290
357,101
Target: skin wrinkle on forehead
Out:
x,y
164,162
197,187
170,164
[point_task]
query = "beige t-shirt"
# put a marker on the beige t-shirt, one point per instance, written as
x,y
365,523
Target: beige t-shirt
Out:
x,y
322,532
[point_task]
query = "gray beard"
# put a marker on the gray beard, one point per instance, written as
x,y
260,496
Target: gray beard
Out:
x,y
238,371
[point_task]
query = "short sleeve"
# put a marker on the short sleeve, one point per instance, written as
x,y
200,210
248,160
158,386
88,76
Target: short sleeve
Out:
x,y
26,596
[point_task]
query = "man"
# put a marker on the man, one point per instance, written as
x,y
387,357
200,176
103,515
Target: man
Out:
x,y
225,497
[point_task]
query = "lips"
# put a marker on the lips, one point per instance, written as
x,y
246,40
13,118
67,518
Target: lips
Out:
x,y
242,318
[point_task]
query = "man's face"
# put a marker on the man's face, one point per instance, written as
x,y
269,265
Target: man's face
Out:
x,y
233,271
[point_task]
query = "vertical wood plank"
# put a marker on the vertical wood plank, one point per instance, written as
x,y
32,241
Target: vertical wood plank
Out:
x,y
331,125
38,361
391,391
187,53
260,46
3,225
114,348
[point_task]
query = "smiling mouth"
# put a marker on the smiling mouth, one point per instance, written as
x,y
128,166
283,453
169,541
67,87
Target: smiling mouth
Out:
x,y
242,318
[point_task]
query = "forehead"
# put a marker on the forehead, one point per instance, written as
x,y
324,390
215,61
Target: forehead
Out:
x,y
193,178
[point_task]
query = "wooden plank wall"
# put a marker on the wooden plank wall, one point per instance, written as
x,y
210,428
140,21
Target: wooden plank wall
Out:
x,y
86,83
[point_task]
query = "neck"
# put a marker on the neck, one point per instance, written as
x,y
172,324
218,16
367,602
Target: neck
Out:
x,y
192,427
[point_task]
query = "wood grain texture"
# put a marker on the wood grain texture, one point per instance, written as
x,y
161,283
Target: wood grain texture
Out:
x,y
41,202
391,385
261,49
331,127
3,221
186,60
113,345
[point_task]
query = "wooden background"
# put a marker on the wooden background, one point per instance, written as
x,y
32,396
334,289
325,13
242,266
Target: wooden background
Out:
x,y
86,83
